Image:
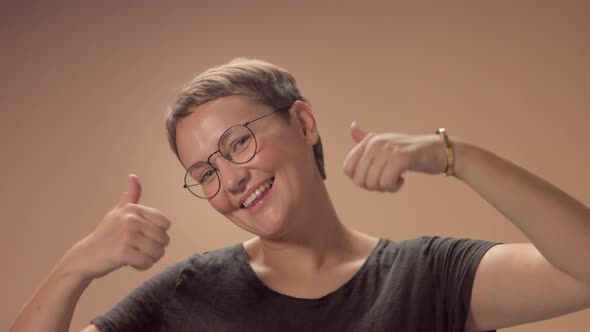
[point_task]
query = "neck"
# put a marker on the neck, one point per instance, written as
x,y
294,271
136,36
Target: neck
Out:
x,y
319,240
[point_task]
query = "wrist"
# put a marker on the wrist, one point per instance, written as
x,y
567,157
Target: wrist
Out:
x,y
67,281
449,167
72,267
465,154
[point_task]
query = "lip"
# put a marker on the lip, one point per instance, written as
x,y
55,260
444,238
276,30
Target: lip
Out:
x,y
260,204
251,190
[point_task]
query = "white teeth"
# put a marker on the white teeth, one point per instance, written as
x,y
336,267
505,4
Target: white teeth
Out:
x,y
257,192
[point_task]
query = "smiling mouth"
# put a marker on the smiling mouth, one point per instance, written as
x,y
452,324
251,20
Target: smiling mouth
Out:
x,y
258,194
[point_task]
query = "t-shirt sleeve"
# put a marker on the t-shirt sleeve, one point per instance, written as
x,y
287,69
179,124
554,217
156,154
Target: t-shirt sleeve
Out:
x,y
141,310
453,263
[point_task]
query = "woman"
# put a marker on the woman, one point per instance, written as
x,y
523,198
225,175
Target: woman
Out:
x,y
251,147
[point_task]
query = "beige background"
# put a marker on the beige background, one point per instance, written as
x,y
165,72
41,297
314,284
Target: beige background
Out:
x,y
84,88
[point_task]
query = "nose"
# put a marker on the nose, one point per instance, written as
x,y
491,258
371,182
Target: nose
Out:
x,y
233,177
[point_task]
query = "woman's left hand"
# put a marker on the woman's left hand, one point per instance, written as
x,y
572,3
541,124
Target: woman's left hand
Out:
x,y
379,160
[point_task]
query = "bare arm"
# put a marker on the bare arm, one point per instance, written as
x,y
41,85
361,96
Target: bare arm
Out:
x,y
522,283
130,234
514,283
557,224
52,306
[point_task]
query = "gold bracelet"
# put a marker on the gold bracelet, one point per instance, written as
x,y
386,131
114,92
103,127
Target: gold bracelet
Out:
x,y
450,152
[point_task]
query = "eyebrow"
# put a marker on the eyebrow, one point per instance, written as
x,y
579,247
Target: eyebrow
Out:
x,y
203,160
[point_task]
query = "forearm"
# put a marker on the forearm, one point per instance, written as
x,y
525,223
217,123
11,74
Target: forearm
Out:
x,y
557,224
52,306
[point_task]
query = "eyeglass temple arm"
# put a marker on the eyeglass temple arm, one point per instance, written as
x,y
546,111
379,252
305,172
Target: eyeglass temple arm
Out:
x,y
265,115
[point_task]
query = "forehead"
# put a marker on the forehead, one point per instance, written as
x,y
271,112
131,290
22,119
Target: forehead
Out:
x,y
198,133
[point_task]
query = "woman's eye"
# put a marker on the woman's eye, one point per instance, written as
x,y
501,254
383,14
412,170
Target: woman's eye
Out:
x,y
206,176
240,142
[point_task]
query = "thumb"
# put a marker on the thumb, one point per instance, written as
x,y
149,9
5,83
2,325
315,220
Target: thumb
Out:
x,y
356,132
133,191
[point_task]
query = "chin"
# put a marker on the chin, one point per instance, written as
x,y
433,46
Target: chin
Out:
x,y
269,228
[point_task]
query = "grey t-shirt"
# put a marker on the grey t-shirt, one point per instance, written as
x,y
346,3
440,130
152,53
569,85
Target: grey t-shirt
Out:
x,y
421,284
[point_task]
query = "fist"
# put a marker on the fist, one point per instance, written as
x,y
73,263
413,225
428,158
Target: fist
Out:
x,y
130,234
379,160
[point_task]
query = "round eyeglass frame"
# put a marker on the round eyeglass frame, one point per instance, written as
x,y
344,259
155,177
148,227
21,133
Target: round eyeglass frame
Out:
x,y
245,125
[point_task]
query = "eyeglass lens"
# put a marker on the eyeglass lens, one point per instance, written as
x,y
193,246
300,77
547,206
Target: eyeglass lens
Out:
x,y
237,145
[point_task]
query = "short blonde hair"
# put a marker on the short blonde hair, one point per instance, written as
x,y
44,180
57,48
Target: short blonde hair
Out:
x,y
260,80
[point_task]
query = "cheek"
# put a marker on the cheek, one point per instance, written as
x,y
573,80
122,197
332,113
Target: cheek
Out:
x,y
221,203
292,158
270,153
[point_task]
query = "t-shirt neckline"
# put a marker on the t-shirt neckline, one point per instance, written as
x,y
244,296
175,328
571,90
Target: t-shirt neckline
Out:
x,y
251,274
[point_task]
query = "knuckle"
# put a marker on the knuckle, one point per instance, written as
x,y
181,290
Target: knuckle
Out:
x,y
142,266
160,252
141,262
126,254
369,136
359,181
396,186
347,165
383,183
128,207
371,183
128,238
347,171
373,144
149,262
396,153
391,147
131,222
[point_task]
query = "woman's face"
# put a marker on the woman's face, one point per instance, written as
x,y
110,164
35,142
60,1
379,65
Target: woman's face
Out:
x,y
284,160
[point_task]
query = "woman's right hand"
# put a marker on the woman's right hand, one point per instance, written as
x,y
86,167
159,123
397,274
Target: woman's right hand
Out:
x,y
129,234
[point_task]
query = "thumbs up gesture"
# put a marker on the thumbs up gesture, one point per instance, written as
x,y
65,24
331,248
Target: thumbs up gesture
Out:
x,y
130,234
378,161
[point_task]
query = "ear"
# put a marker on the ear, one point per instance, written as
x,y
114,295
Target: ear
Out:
x,y
304,119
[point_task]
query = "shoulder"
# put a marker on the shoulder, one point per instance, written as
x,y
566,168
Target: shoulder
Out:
x,y
222,258
214,265
388,251
428,245
198,271
204,263
426,248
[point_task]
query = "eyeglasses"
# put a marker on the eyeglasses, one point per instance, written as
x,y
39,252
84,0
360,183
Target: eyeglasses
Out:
x,y
237,144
